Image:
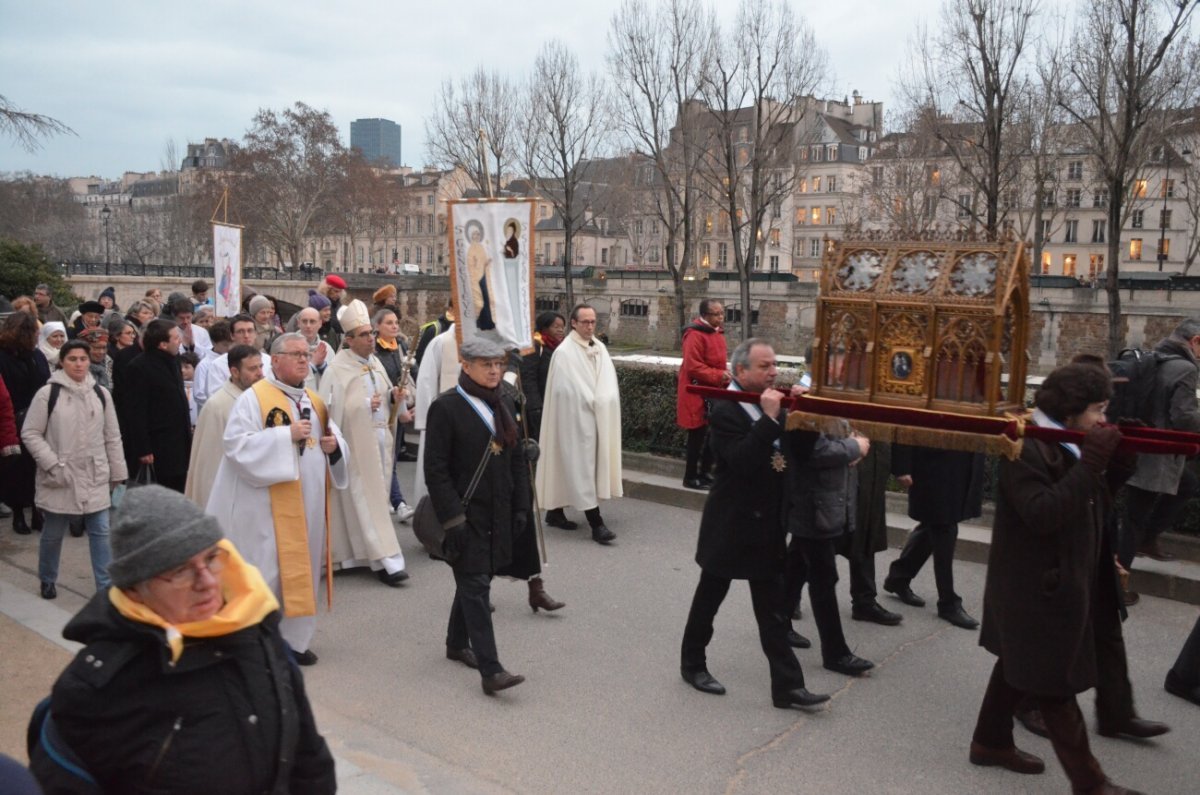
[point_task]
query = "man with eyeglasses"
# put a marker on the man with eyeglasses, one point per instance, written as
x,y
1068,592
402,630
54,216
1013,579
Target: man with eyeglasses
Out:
x,y
704,363
581,429
281,453
361,399
184,683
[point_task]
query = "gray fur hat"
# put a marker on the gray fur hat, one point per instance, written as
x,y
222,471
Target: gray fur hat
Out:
x,y
155,530
480,348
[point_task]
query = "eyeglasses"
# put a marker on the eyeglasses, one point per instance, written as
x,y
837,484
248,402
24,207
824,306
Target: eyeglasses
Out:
x,y
362,334
186,575
301,355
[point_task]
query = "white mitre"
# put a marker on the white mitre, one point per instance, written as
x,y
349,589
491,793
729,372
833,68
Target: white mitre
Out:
x,y
353,315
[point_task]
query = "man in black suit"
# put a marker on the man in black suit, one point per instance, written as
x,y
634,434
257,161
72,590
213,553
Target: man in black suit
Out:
x,y
741,531
471,429
153,411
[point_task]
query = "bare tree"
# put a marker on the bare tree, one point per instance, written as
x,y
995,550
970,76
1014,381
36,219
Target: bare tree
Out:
x,y
904,188
760,72
474,126
566,126
658,59
1128,67
1189,178
28,128
967,76
41,211
290,167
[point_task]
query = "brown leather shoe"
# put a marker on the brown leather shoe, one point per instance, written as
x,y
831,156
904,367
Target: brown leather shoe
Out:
x,y
1130,598
501,681
1154,551
1134,727
1031,719
1109,788
1013,759
539,599
465,656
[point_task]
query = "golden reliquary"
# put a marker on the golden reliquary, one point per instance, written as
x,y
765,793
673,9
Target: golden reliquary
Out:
x,y
935,324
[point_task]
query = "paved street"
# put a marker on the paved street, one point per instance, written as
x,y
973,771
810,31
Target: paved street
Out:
x,y
604,709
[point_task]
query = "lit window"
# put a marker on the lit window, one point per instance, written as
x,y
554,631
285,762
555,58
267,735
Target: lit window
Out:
x,y
816,215
1139,189
1135,248
1045,262
1068,264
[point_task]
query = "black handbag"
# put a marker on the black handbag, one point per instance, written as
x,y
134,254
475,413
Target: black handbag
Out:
x,y
429,530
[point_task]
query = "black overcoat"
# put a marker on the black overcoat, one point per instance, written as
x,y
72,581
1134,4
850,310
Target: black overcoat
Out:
x,y
455,440
870,527
1049,569
154,415
947,485
24,373
741,530
231,716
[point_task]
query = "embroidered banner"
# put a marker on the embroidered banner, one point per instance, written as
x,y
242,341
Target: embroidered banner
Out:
x,y
227,269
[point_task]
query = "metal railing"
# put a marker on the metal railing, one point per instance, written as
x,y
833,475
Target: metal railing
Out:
x,y
186,271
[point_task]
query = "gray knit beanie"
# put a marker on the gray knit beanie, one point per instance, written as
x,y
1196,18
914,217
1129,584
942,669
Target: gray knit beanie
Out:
x,y
258,303
155,530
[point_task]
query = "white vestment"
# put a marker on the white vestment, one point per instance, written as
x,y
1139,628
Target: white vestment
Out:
x,y
432,380
208,443
360,528
581,428
257,457
200,392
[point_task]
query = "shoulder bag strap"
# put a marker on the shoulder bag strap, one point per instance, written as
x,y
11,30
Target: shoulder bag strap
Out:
x,y
478,476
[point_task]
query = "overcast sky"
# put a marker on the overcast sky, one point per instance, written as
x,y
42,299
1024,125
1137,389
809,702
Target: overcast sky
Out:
x,y
130,76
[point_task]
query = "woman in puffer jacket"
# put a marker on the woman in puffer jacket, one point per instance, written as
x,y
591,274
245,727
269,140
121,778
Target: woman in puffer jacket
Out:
x,y
76,444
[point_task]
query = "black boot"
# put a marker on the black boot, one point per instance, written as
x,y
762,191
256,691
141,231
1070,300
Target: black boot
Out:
x,y
18,524
38,520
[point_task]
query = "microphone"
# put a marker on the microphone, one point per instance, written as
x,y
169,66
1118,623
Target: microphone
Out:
x,y
305,413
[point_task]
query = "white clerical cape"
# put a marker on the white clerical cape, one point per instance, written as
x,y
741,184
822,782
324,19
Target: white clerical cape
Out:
x,y
439,374
256,457
360,527
208,443
581,428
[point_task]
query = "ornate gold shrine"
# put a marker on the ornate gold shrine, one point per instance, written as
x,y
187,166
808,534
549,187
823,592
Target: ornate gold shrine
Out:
x,y
933,324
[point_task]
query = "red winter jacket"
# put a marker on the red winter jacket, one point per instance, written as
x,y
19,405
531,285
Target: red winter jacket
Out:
x,y
704,363
8,419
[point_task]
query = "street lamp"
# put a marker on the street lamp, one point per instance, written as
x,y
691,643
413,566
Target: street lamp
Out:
x,y
105,213
1162,219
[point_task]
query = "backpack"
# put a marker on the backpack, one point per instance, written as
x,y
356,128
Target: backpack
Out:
x,y
56,388
1135,385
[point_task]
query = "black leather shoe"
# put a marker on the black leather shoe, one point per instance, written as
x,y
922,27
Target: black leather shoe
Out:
x,y
559,519
465,656
850,665
958,617
875,613
1013,759
703,681
501,681
306,657
18,523
1134,727
695,483
602,535
707,480
48,590
393,579
798,613
1177,687
405,455
903,593
800,697
798,641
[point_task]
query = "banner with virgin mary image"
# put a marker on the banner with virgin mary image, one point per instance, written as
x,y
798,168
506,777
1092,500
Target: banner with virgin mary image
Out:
x,y
491,270
227,269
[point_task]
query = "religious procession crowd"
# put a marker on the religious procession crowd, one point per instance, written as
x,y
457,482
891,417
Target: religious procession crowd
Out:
x,y
244,460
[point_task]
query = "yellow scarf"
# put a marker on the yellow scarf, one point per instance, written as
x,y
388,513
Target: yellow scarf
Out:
x,y
248,601
386,344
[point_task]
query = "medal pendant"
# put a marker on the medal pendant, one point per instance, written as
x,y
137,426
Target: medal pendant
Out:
x,y
495,447
778,462
311,442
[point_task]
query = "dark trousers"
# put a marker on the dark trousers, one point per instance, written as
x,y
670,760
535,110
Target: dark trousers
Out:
x,y
699,453
820,564
1114,693
862,574
1150,513
173,482
1064,724
471,621
1187,665
925,540
767,597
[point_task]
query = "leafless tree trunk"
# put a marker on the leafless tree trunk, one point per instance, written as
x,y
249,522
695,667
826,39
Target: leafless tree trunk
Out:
x,y
966,76
1130,64
486,103
761,70
566,125
658,57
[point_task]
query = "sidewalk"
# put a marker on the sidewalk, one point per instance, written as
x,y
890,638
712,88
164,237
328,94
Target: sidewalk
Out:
x,y
659,479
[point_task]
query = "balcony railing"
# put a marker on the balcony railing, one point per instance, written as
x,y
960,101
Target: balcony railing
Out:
x,y
301,274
